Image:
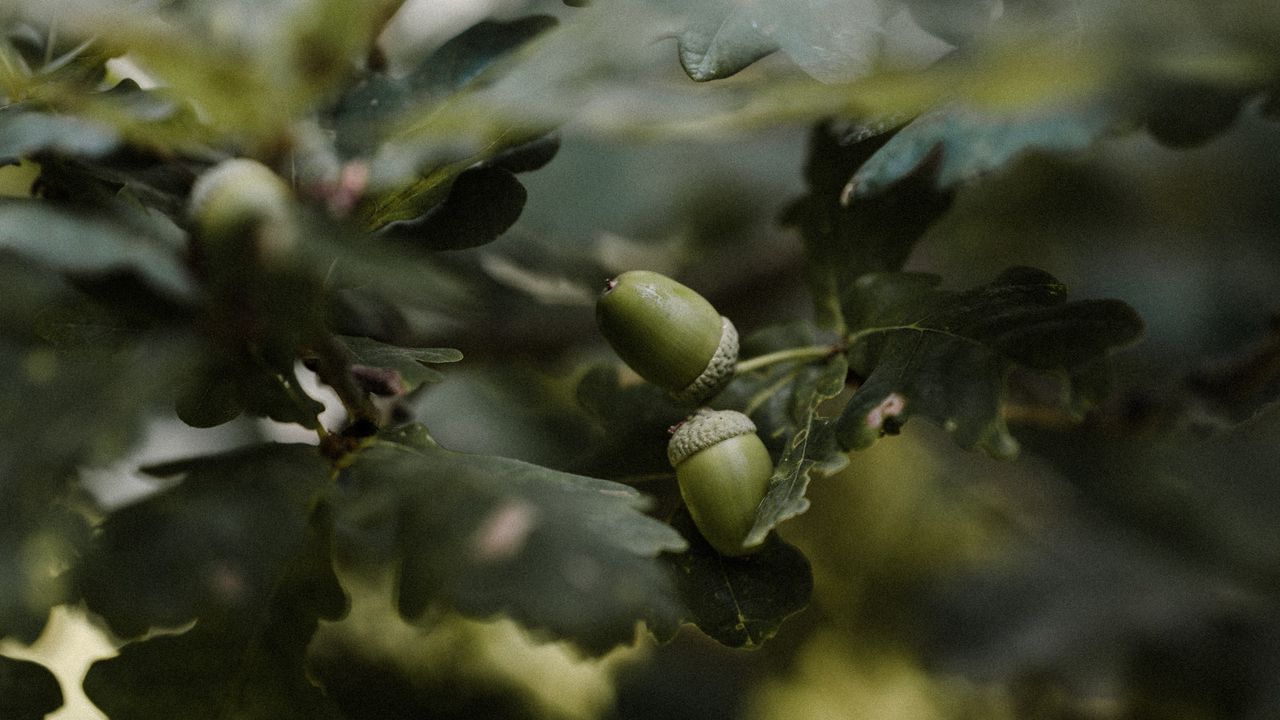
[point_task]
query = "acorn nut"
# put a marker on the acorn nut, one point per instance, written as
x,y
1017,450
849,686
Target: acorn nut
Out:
x,y
241,201
723,470
669,334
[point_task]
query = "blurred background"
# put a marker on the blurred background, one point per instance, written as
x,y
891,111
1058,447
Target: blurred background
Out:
x,y
1124,568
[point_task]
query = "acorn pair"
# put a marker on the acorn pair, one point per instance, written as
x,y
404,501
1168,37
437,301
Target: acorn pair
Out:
x,y
672,337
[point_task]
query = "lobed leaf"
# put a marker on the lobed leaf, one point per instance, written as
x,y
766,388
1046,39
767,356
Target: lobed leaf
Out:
x,y
844,241
739,601
945,355
565,554
28,691
410,364
968,143
75,240
245,659
810,449
213,545
69,408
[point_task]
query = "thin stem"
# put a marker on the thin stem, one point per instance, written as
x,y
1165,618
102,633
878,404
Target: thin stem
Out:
x,y
808,352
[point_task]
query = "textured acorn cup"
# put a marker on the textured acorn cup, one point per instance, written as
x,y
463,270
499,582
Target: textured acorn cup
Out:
x,y
669,334
723,470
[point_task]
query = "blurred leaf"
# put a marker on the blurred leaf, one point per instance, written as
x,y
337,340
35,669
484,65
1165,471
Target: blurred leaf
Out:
x,y
483,202
946,354
409,363
1155,567
832,41
212,547
561,553
246,659
844,241
28,691
739,601
79,241
720,40
24,133
412,171
966,143
66,409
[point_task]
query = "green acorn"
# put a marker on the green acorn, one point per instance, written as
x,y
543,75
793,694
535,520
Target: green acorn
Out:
x,y
242,204
723,469
669,334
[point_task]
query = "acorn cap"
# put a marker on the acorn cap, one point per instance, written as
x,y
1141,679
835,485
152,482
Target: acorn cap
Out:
x,y
719,370
706,428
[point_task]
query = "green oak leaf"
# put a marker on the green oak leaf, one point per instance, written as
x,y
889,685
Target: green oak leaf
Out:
x,y
58,237
25,132
246,659
945,355
569,555
721,40
410,364
812,449
966,143
70,408
844,241
214,545
28,691
739,601
782,399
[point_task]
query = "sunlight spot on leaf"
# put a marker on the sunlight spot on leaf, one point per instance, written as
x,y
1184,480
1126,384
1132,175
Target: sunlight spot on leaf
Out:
x,y
502,536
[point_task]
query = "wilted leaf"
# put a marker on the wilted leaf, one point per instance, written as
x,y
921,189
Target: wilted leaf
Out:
x,y
213,546
244,659
565,554
28,691
945,354
739,601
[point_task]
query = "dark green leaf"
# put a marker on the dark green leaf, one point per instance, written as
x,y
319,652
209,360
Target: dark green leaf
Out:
x,y
968,143
245,658
634,422
409,363
782,399
28,691
566,554
66,410
77,241
945,355
24,133
811,449
739,601
213,546
464,58
845,241
482,203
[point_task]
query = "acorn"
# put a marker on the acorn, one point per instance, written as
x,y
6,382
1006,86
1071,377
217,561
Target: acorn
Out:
x,y
669,334
723,470
242,203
